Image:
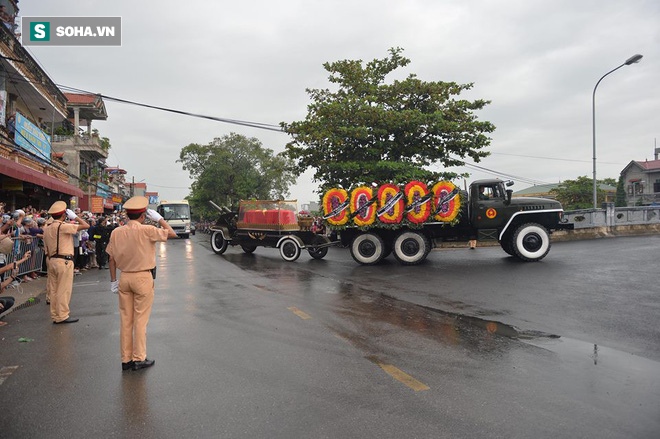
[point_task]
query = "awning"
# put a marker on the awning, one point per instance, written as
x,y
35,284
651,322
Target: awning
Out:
x,y
20,172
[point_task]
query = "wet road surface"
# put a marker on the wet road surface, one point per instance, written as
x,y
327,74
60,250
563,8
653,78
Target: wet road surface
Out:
x,y
251,346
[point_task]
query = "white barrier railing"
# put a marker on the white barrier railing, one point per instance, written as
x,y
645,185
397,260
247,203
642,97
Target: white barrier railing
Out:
x,y
611,216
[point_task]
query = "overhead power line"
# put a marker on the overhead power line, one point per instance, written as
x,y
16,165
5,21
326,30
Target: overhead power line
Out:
x,y
259,125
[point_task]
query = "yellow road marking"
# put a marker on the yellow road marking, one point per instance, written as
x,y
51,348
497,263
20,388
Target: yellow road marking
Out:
x,y
299,313
406,379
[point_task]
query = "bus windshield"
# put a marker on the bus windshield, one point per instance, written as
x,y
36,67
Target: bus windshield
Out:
x,y
175,212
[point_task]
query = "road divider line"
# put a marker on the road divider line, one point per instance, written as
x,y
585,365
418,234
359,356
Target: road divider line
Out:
x,y
5,372
299,313
403,377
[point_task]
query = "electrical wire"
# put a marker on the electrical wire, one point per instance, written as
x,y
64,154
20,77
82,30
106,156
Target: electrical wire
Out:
x,y
259,125
553,158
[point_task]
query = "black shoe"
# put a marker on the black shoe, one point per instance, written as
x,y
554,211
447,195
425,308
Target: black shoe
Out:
x,y
69,320
127,366
143,364
100,267
47,302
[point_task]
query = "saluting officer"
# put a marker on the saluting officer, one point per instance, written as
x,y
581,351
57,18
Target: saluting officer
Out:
x,y
49,278
58,239
132,249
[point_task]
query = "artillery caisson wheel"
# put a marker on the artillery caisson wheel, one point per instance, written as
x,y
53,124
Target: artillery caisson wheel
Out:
x,y
318,253
411,248
249,249
367,248
531,242
289,250
218,243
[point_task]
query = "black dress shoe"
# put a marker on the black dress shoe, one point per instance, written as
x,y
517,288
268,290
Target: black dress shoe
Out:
x,y
127,366
143,364
69,320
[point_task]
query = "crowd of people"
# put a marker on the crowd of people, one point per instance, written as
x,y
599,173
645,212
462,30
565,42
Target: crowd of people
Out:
x,y
21,235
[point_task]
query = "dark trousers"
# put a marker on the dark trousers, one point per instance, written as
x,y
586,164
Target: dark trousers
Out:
x,y
7,302
101,256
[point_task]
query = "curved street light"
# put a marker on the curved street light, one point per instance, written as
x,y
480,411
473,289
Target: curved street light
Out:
x,y
632,60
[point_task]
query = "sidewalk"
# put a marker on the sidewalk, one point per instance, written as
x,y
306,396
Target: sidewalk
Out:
x,y
25,292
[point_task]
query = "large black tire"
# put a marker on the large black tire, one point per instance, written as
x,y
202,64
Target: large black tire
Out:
x,y
411,247
184,236
367,249
507,245
530,242
319,253
218,243
249,249
289,250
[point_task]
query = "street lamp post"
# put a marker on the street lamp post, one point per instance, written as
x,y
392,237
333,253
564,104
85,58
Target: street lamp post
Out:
x,y
633,59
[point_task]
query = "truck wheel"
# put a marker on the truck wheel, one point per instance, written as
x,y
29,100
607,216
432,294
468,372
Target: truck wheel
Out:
x,y
507,245
184,236
289,250
531,242
411,248
318,253
218,243
367,248
249,249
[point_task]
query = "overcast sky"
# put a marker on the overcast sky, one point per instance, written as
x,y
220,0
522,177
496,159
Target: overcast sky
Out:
x,y
537,61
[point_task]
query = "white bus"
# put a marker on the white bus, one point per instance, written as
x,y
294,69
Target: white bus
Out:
x,y
177,215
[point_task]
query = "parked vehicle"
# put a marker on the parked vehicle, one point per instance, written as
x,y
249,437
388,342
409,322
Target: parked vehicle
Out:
x,y
265,223
374,225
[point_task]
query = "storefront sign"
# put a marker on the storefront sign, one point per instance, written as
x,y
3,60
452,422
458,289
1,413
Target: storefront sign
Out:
x,y
116,199
103,190
96,205
153,199
31,138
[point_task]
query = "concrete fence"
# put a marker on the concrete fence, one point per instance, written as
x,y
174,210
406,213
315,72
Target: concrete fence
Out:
x,y
610,216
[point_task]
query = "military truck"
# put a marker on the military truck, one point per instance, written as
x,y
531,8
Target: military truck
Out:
x,y
522,226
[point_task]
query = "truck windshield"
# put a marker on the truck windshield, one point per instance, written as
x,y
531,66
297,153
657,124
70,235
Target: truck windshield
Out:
x,y
175,212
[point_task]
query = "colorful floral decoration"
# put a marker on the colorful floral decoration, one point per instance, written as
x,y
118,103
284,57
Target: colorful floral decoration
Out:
x,y
335,207
446,201
418,202
363,206
391,204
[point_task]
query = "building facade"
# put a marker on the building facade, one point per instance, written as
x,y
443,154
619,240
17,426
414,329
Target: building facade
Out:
x,y
31,106
642,181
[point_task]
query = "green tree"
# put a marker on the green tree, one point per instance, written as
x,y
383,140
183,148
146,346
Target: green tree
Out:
x,y
234,168
370,131
578,193
620,193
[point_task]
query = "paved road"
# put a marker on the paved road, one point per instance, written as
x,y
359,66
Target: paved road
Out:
x,y
250,346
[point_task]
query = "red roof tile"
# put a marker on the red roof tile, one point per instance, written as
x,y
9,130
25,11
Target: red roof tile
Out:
x,y
76,98
649,164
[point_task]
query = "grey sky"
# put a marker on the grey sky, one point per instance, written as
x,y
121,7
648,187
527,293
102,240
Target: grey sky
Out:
x,y
537,61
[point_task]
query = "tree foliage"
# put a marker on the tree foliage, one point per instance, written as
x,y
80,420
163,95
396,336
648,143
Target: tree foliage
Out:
x,y
368,130
620,193
233,168
579,193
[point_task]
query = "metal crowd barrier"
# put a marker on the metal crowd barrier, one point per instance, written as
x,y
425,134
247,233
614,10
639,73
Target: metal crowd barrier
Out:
x,y
36,261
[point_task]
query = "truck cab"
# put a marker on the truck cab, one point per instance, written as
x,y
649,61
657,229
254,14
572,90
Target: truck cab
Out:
x,y
520,225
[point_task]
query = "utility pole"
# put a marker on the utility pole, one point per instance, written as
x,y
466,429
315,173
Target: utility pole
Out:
x,y
133,187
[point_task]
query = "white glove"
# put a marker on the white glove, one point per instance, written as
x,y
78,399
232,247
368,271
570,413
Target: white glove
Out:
x,y
153,215
71,214
114,286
